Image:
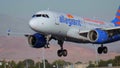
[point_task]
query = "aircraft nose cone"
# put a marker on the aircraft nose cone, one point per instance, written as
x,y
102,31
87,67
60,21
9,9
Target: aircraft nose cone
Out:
x,y
33,24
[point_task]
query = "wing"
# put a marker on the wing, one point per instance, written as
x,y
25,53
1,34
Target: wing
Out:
x,y
110,31
113,28
9,32
94,35
101,35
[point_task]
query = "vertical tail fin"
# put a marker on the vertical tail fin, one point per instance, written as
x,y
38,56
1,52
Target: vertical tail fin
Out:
x,y
116,20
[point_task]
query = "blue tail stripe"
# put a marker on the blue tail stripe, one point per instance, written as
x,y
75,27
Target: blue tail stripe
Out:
x,y
118,14
115,20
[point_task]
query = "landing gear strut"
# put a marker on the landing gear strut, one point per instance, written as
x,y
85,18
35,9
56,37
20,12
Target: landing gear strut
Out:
x,y
61,52
48,38
102,49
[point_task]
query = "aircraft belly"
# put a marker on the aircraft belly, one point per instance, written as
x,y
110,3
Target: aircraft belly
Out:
x,y
76,40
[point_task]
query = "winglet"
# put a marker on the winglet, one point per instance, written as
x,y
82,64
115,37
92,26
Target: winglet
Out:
x,y
116,20
8,32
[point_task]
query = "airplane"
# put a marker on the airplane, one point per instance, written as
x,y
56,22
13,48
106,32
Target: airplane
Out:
x,y
67,27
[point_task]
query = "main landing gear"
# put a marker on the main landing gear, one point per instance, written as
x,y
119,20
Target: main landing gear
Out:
x,y
102,49
61,52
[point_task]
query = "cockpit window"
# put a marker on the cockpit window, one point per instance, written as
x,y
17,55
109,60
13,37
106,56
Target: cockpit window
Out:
x,y
41,15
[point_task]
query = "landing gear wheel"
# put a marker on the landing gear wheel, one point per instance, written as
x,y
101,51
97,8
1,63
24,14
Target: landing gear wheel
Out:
x,y
59,52
64,52
105,50
100,49
46,46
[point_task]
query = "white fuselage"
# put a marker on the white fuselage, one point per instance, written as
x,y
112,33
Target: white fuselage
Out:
x,y
65,26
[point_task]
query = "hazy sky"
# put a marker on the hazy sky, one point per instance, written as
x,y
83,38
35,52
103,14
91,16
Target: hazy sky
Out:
x,y
90,8
15,14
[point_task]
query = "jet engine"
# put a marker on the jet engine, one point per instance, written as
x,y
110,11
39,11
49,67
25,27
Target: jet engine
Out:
x,y
37,40
98,36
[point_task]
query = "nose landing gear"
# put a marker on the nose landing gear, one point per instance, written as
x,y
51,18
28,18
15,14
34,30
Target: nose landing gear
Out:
x,y
48,38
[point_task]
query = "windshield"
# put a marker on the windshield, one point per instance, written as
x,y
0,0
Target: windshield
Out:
x,y
41,15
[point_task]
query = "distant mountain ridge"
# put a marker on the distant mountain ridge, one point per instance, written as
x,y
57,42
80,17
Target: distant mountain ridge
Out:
x,y
17,48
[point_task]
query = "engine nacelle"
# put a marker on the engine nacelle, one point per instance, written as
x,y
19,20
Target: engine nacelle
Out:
x,y
98,36
37,40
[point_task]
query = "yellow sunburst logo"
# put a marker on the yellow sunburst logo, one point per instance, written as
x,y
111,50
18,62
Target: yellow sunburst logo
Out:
x,y
69,16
